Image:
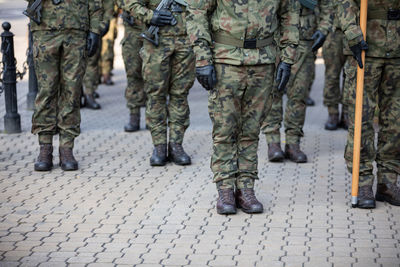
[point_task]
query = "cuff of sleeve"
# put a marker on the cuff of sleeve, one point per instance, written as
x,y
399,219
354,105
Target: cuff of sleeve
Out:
x,y
354,34
203,62
288,54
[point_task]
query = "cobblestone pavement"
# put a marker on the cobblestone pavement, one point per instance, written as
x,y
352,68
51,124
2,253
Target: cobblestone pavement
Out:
x,y
117,210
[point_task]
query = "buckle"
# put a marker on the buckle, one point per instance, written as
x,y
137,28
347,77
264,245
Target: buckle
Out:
x,y
393,14
250,43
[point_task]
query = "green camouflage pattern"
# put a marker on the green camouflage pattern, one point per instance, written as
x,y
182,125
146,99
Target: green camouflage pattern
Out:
x,y
318,19
237,106
334,58
131,44
107,48
297,90
168,73
381,89
259,19
344,16
83,15
92,74
57,105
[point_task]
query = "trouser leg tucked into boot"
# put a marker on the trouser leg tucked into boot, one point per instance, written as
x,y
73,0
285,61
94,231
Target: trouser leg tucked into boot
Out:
x,y
159,157
67,159
44,161
177,155
245,196
226,197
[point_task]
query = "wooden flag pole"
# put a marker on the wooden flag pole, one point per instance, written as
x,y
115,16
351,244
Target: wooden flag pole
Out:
x,y
358,111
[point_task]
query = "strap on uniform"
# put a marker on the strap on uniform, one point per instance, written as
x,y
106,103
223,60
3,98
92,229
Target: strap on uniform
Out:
x,y
384,14
248,44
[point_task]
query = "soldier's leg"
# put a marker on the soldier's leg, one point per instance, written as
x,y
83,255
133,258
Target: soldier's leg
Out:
x,y
134,92
91,80
107,52
367,154
388,153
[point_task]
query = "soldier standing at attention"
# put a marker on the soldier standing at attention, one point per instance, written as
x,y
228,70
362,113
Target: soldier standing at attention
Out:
x,y
314,24
134,93
235,60
382,90
168,72
68,32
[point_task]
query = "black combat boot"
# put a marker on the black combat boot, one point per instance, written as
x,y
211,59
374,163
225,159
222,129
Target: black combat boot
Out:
x,y
134,123
388,192
293,152
44,161
226,201
177,155
366,198
107,80
159,157
67,160
333,122
310,102
344,121
91,102
96,95
247,201
275,153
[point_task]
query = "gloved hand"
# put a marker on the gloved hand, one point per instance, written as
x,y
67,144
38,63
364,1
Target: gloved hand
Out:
x,y
283,75
206,76
105,29
93,41
162,18
356,49
319,39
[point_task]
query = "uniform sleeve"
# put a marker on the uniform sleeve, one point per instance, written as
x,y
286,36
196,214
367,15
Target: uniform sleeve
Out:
x,y
95,15
108,6
198,28
326,17
289,29
346,16
138,9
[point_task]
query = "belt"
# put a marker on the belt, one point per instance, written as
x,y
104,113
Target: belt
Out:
x,y
390,14
247,43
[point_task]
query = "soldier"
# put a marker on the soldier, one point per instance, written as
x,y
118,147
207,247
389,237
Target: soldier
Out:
x,y
134,92
107,45
235,60
68,32
381,89
313,19
92,73
334,61
168,71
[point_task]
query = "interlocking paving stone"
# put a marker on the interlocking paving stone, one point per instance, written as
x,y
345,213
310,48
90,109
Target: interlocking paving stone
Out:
x,y
116,210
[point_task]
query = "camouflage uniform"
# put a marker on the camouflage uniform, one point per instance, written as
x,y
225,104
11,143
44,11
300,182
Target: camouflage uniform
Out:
x,y
60,44
237,104
382,89
301,79
168,71
107,45
131,45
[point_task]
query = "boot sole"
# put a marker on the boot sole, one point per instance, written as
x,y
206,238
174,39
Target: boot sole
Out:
x,y
131,130
248,211
371,205
382,198
158,164
65,168
171,159
276,159
331,128
293,160
227,212
39,169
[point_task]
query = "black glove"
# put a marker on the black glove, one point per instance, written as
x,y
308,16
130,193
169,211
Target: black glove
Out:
x,y
206,76
162,18
105,29
319,39
356,49
93,41
283,75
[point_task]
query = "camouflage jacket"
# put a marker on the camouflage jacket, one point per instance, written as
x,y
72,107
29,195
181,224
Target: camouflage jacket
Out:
x,y
383,34
142,10
243,20
128,20
85,15
318,19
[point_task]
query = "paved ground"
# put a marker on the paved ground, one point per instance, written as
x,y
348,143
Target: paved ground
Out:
x,y
117,210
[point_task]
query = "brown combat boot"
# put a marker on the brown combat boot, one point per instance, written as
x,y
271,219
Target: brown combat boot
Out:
x,y
333,122
226,201
293,152
275,153
134,123
44,161
67,160
159,156
177,155
366,198
388,192
247,201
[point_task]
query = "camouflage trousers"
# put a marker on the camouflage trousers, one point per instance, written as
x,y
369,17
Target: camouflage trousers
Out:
x,y
168,74
382,89
237,107
134,92
334,61
92,74
297,90
60,62
107,48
